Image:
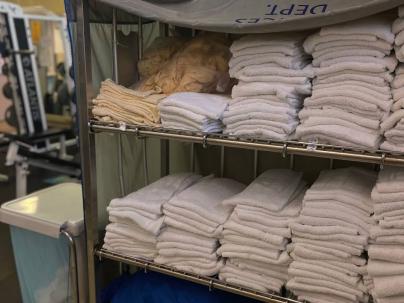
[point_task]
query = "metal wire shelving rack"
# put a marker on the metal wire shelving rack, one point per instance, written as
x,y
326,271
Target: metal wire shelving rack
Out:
x,y
89,127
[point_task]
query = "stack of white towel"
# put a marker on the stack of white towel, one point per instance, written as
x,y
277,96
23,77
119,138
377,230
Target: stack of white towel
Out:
x,y
255,237
351,90
398,30
393,126
137,219
386,255
330,236
195,218
273,76
193,111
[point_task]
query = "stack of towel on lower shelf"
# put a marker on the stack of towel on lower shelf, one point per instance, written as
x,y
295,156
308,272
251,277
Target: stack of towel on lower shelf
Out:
x,y
386,255
195,218
330,236
255,237
137,219
273,76
398,30
194,111
351,89
116,103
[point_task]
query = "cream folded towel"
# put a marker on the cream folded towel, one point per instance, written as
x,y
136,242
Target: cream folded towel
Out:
x,y
275,271
345,247
360,85
268,50
195,228
387,146
130,231
375,79
234,238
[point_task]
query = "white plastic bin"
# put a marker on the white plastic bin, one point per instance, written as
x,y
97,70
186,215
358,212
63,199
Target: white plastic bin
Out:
x,y
48,243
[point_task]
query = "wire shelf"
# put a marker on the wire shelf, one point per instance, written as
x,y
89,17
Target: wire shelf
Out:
x,y
285,148
212,283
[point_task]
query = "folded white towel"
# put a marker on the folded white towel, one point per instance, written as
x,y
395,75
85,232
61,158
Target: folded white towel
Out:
x,y
388,206
399,40
130,251
342,268
267,50
175,235
283,257
392,120
130,231
188,214
194,227
379,26
185,246
387,253
360,85
272,190
333,237
193,267
240,116
294,285
266,282
258,132
239,239
274,126
152,197
269,69
390,180
386,197
349,103
280,60
231,227
391,147
291,40
205,198
338,135
314,40
254,106
318,269
282,91
266,227
272,270
254,253
151,225
389,286
384,268
398,25
389,62
335,245
343,41
393,299
214,127
375,79
322,230
209,105
325,55
332,252
307,113
268,99
335,205
276,79
382,101
353,182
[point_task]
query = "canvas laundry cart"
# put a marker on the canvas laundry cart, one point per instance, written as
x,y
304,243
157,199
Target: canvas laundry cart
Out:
x,y
48,243
110,149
